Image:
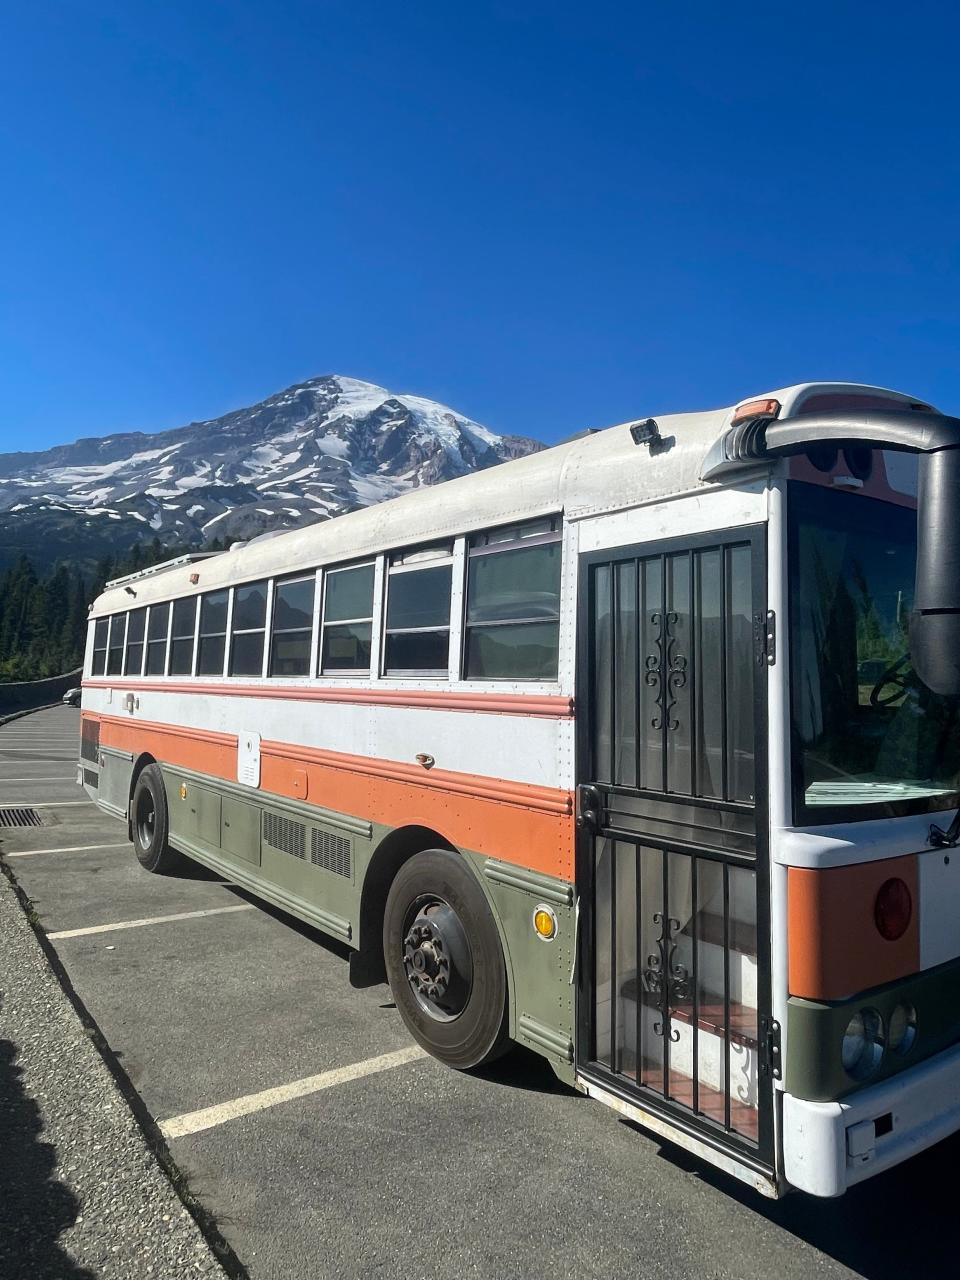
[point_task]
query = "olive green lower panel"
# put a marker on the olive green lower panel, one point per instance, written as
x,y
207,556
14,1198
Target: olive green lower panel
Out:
x,y
814,1069
312,863
540,970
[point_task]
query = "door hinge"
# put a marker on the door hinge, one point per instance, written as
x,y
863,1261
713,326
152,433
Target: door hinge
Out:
x,y
771,1063
765,638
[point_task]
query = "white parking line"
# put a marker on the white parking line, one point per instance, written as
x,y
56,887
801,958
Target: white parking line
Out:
x,y
138,924
62,777
70,848
210,1117
25,751
44,804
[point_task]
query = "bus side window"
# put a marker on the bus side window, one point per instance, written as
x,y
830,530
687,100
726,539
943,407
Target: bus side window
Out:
x,y
513,603
347,621
118,627
417,633
247,629
100,629
292,627
157,626
181,639
133,658
213,633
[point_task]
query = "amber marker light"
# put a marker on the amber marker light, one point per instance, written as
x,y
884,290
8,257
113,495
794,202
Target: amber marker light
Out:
x,y
545,923
183,791
755,409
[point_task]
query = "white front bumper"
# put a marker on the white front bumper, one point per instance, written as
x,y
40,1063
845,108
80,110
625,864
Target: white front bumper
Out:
x,y
830,1146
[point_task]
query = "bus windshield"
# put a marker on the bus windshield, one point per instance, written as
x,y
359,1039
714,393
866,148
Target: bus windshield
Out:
x,y
869,738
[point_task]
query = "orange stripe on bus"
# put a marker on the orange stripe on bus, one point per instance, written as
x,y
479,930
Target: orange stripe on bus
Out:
x,y
551,706
526,825
834,948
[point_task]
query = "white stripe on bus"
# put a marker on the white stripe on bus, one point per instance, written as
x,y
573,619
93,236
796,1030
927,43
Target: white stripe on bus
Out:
x,y
210,1117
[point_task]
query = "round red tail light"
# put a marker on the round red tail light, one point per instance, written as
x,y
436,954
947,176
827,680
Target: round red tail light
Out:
x,y
893,909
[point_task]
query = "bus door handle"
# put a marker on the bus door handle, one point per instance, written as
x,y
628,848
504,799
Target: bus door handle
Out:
x,y
589,808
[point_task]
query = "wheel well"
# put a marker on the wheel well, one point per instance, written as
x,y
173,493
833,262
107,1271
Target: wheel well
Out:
x,y
366,963
139,765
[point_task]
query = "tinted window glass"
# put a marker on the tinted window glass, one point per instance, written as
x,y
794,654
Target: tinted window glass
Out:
x,y
527,651
346,647
210,655
348,606
419,599
349,594
293,606
133,658
514,585
513,603
159,618
115,654
292,627
100,630
249,606
290,653
157,639
417,651
213,613
181,648
246,654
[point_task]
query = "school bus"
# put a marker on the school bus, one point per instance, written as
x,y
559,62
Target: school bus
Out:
x,y
641,752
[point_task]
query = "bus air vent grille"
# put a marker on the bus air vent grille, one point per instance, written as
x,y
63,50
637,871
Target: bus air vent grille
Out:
x,y
330,852
285,834
19,818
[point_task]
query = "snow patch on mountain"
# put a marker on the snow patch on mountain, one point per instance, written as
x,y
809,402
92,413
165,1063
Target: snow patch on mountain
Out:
x,y
314,450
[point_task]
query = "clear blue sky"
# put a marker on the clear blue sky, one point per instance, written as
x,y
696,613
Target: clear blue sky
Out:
x,y
547,215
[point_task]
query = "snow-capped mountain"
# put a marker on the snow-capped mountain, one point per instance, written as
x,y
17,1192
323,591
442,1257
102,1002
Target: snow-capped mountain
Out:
x,y
311,452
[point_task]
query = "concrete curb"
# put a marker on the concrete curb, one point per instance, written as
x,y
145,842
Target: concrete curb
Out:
x,y
85,1192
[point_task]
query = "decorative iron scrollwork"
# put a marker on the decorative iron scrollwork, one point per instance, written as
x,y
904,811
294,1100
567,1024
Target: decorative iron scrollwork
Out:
x,y
666,659
653,666
664,979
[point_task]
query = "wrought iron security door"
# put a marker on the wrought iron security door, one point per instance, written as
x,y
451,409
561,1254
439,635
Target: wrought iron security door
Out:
x,y
674,988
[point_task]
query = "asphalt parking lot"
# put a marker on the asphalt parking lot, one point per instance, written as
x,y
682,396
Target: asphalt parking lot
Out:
x,y
323,1144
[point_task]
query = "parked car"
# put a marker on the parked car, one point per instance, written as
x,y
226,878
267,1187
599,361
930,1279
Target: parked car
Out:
x,y
71,698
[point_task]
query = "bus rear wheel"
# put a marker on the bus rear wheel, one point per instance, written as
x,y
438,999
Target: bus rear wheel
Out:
x,y
150,824
444,961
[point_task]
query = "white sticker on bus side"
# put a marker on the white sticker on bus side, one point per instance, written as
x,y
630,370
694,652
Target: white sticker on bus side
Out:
x,y
248,758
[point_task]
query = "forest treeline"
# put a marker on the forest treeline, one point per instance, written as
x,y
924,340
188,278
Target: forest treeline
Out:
x,y
43,619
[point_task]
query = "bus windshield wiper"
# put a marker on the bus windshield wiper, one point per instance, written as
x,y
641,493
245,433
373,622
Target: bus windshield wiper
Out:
x,y
948,839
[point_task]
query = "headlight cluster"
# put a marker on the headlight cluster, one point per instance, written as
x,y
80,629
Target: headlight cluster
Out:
x,y
866,1039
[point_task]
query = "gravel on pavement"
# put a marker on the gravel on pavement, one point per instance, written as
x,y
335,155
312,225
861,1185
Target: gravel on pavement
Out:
x,y
81,1192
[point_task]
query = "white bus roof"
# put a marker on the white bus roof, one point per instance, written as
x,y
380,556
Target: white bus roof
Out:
x,y
598,472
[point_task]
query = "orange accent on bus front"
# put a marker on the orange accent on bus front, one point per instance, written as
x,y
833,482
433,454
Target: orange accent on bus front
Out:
x,y
834,948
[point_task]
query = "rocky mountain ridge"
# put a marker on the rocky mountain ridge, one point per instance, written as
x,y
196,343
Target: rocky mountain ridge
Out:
x,y
311,452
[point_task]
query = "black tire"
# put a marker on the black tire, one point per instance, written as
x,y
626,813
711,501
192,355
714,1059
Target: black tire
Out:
x,y
454,998
150,824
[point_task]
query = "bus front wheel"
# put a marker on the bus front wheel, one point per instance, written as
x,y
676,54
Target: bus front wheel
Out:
x,y
444,961
150,824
